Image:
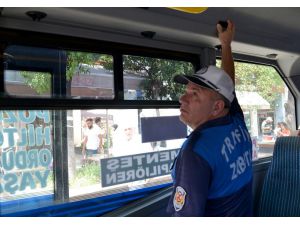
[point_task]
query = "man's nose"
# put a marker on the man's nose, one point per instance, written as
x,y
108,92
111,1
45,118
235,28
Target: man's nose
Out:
x,y
183,98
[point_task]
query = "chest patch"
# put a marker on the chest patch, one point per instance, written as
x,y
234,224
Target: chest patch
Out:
x,y
179,198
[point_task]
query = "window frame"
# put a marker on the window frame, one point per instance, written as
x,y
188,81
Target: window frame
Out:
x,y
58,98
60,104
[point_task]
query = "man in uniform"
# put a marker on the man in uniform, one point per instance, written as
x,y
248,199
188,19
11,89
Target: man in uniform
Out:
x,y
213,171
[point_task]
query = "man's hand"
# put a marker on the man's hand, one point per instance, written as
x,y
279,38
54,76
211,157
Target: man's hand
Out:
x,y
227,35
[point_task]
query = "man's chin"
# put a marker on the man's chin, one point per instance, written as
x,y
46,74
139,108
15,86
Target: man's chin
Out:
x,y
182,119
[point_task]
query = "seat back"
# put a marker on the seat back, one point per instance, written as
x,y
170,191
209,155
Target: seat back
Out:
x,y
281,190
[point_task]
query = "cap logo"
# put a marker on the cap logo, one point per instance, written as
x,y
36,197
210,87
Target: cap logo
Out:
x,y
179,198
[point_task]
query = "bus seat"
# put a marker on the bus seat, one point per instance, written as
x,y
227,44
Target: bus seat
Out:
x,y
281,189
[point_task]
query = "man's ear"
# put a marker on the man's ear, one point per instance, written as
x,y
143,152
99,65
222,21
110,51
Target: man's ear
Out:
x,y
218,107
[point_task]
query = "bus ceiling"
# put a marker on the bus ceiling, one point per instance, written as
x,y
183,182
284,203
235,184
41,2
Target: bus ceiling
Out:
x,y
261,32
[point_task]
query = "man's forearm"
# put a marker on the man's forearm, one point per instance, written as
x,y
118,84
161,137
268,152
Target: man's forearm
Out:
x,y
227,61
226,37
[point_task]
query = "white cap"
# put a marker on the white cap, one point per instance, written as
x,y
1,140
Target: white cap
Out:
x,y
213,78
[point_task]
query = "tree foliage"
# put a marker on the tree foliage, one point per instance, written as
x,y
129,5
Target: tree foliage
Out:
x,y
264,80
38,81
76,62
157,73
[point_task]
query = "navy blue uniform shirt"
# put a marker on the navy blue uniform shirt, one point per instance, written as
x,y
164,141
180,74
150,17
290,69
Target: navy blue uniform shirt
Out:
x,y
212,173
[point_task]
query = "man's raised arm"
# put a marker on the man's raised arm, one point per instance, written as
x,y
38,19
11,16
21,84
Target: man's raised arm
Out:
x,y
226,38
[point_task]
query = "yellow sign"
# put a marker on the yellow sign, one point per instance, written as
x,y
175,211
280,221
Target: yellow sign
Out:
x,y
194,10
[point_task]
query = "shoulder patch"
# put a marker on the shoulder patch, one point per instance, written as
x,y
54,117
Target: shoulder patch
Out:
x,y
179,198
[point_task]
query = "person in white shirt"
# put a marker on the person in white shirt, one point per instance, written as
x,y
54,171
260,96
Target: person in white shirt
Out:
x,y
91,139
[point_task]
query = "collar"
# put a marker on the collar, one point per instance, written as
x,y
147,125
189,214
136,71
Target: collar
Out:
x,y
213,123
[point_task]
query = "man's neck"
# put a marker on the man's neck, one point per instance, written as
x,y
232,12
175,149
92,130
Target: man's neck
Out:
x,y
223,113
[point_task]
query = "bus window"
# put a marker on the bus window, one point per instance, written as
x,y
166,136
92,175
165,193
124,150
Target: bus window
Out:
x,y
27,83
267,103
127,160
33,71
148,78
28,70
88,75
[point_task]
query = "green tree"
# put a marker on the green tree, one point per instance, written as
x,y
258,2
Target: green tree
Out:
x,y
263,79
76,62
157,73
38,81
258,78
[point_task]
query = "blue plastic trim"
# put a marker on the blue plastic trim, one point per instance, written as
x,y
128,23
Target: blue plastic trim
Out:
x,y
88,207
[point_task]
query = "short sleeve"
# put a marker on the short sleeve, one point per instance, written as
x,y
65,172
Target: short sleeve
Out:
x,y
235,108
189,196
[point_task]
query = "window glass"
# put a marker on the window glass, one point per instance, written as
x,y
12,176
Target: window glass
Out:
x,y
267,103
27,83
112,151
30,71
90,75
26,159
148,78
